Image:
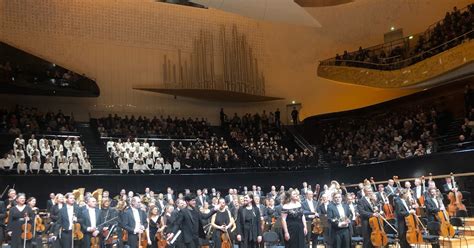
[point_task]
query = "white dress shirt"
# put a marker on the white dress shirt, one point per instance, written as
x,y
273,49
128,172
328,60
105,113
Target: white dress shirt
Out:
x,y
136,217
92,217
70,215
311,206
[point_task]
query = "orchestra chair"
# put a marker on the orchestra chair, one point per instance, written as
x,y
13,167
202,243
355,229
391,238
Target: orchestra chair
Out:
x,y
270,240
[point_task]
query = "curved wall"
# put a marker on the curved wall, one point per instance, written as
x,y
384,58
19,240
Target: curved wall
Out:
x,y
121,43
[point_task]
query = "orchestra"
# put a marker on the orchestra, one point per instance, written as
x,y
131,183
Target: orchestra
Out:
x,y
299,218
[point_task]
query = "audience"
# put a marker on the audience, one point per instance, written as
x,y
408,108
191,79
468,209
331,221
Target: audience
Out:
x,y
433,41
261,136
31,120
392,135
142,126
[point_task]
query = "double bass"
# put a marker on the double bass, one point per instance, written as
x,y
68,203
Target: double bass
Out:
x,y
445,227
420,211
455,199
317,226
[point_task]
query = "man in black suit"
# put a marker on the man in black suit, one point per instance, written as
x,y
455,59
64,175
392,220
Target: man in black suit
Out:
x,y
189,223
323,213
433,206
68,215
339,216
366,210
402,210
3,213
304,189
200,199
310,212
50,202
448,186
134,222
170,195
90,221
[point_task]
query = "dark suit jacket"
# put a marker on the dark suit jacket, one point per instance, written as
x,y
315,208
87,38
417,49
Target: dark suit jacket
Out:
x,y
334,217
86,219
307,209
199,202
128,222
446,188
321,210
189,222
431,209
3,213
49,205
63,219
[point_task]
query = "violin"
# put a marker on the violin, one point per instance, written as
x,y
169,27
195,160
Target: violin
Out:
x,y
455,199
317,226
414,234
26,233
95,242
143,240
225,240
124,236
39,226
77,233
162,243
378,237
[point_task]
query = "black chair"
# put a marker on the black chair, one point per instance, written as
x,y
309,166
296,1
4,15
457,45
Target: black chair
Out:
x,y
457,222
433,236
270,239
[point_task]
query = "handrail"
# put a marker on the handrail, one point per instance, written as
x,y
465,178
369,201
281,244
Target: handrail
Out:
x,y
401,41
333,60
467,174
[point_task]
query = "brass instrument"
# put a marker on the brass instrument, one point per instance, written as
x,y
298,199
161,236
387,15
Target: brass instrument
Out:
x,y
79,194
97,194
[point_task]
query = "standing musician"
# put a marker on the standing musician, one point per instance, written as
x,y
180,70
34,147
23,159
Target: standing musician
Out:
x,y
433,205
391,189
221,222
153,225
248,223
339,216
322,211
310,212
3,214
189,222
89,221
54,215
366,210
106,214
403,208
17,217
67,216
134,221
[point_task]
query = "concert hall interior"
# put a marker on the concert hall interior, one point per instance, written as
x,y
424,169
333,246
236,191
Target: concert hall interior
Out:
x,y
249,123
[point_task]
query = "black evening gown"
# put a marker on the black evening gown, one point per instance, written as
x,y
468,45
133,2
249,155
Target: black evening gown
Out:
x,y
16,219
295,227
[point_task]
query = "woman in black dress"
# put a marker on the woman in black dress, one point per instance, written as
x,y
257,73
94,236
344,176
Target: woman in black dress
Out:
x,y
248,223
18,215
221,222
153,225
293,221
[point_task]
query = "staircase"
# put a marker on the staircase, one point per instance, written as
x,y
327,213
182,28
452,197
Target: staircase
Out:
x,y
95,147
247,160
450,138
298,138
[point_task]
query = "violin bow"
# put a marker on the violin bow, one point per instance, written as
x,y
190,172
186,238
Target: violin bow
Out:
x,y
4,191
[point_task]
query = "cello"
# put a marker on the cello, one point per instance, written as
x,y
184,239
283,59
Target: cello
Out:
x,y
225,240
445,227
386,207
414,234
455,199
420,211
378,237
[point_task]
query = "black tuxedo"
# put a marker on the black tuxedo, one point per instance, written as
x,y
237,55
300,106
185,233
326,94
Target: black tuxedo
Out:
x,y
200,202
389,190
167,198
307,209
401,212
86,223
323,212
49,205
128,223
446,188
431,209
189,222
366,211
340,236
63,225
3,213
